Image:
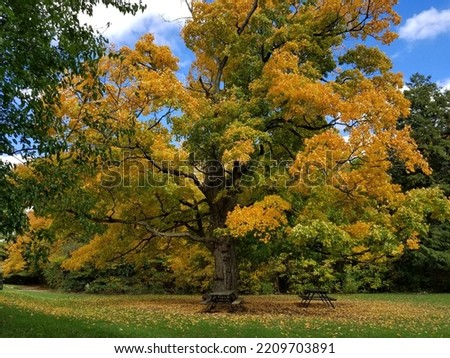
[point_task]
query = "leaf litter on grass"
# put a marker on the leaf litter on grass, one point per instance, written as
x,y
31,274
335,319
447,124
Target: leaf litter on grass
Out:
x,y
280,314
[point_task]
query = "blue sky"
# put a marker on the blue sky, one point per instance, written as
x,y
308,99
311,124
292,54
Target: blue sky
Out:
x,y
424,42
422,46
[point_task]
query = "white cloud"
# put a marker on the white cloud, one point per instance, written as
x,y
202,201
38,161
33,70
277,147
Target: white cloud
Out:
x,y
444,84
404,88
426,25
12,159
160,17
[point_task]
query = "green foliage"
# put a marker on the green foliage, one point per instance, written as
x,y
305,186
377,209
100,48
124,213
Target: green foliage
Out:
x,y
123,278
107,285
40,41
350,283
74,281
257,279
12,203
427,268
430,122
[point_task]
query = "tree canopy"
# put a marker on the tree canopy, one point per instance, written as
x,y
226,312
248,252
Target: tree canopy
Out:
x,y
282,136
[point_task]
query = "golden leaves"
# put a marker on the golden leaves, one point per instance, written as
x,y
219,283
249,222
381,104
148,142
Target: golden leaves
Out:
x,y
241,152
239,142
358,165
358,230
260,218
254,67
159,58
26,245
413,243
137,86
15,262
405,148
295,88
88,253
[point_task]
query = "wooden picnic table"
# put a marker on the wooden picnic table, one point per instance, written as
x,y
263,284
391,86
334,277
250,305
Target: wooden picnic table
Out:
x,y
229,298
309,295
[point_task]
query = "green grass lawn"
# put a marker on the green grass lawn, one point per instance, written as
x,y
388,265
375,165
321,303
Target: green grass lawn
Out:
x,y
38,313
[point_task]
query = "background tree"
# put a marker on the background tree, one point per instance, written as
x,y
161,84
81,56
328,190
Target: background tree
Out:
x,y
28,255
249,149
429,267
40,41
430,127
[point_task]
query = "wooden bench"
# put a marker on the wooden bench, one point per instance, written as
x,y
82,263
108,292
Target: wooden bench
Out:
x,y
304,297
315,295
229,298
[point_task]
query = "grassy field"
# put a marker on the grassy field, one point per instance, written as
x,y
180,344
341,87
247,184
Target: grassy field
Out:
x,y
39,313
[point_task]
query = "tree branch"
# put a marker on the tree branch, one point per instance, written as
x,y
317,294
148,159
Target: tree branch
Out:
x,y
146,225
224,60
144,242
248,17
170,171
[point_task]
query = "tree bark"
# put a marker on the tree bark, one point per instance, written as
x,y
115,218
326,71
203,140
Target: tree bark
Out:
x,y
224,249
220,204
225,270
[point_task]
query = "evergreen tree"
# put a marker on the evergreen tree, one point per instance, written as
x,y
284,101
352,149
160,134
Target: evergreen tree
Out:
x,y
429,267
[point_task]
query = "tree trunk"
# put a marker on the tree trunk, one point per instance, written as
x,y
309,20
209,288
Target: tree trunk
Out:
x,y
225,270
224,249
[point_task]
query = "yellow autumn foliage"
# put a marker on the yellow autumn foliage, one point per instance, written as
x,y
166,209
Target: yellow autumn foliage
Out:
x,y
260,218
16,261
413,243
358,230
87,254
357,166
141,82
